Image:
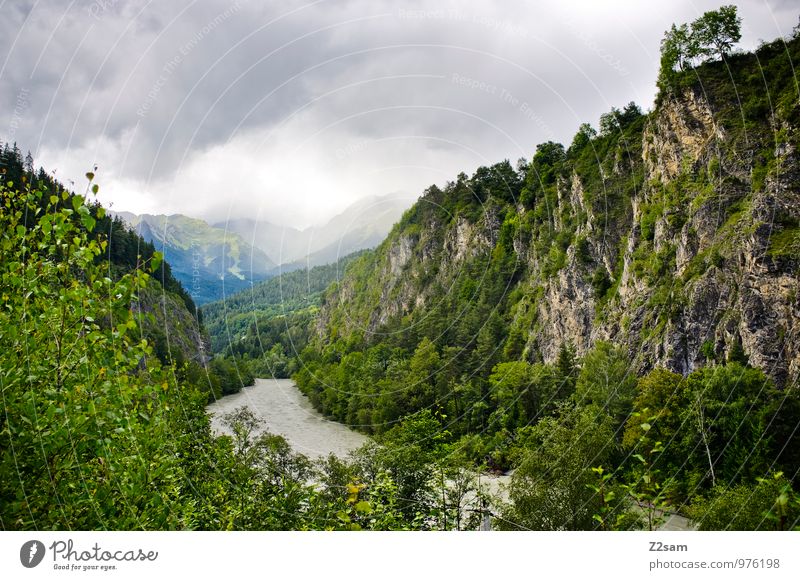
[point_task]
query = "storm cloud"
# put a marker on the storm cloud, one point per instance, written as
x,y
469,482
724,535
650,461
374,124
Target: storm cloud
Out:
x,y
289,111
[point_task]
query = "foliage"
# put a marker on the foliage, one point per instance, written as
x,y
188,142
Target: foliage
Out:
x,y
407,452
89,436
97,434
166,316
712,35
616,120
605,381
716,31
552,487
720,425
248,315
645,485
768,504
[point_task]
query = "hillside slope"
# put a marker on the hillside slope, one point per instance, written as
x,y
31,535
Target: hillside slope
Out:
x,y
165,314
272,320
673,233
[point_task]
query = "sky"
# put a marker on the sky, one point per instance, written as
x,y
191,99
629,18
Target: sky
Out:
x,y
289,111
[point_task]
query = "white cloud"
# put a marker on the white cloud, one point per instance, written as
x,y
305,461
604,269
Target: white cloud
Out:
x,y
294,110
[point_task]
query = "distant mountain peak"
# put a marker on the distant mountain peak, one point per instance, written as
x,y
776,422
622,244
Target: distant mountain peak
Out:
x,y
361,225
208,261
213,260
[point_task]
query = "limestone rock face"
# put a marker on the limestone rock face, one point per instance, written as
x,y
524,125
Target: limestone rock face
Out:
x,y
681,134
689,256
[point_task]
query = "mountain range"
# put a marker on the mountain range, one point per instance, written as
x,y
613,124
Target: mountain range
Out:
x,y
215,260
364,224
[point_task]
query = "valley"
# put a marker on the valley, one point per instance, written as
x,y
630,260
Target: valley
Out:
x,y
596,335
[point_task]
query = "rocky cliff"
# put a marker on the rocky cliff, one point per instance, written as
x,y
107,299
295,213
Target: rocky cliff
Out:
x,y
175,333
675,233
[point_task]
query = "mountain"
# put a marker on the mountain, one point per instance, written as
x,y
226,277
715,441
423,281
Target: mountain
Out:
x,y
667,242
673,233
208,261
104,365
160,309
623,310
364,224
213,261
276,241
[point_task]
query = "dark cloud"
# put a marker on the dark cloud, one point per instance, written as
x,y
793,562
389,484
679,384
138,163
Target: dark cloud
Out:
x,y
295,109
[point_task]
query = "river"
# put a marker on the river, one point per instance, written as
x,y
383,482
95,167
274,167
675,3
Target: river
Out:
x,y
286,412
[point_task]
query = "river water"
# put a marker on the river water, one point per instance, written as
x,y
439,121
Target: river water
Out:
x,y
285,411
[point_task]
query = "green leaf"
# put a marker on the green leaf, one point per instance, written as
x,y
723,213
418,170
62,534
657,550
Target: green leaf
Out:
x,y
95,188
155,261
87,220
364,507
89,175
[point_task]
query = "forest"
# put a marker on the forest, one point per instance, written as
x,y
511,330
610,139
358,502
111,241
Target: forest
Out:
x,y
276,312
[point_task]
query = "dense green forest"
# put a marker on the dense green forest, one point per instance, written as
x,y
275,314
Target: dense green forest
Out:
x,y
166,314
586,319
276,312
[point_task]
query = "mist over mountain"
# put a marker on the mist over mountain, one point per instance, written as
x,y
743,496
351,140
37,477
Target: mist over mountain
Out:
x,y
362,225
216,260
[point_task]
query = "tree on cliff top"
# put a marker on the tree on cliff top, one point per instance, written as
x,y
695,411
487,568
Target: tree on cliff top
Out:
x,y
716,31
711,36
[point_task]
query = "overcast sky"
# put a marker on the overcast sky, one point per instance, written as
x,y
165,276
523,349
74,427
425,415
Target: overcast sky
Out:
x,y
289,111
